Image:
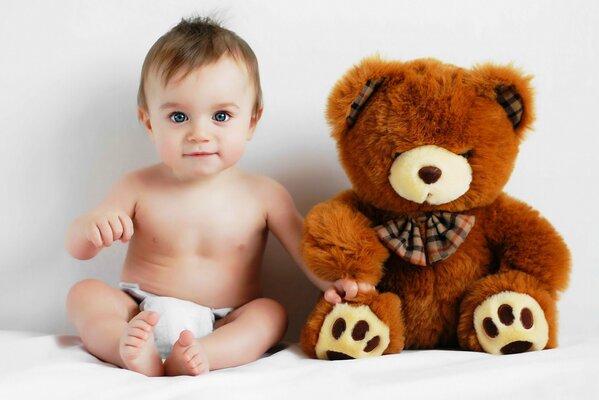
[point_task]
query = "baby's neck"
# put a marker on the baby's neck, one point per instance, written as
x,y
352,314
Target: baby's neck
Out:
x,y
220,177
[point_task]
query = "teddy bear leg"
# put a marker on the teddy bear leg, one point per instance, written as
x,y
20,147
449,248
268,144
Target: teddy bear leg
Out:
x,y
369,325
508,313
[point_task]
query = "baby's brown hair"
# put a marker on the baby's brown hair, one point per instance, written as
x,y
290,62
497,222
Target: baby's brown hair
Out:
x,y
193,43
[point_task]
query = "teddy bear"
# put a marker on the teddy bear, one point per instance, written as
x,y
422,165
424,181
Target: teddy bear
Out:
x,y
456,263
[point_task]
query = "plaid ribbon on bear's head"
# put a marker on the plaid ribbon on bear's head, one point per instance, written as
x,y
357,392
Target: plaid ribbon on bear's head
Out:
x,y
371,86
511,101
445,232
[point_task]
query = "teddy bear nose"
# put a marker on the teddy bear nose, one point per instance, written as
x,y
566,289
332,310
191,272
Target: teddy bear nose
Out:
x,y
429,174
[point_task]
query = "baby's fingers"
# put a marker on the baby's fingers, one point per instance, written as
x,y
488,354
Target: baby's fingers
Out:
x,y
94,236
331,296
106,232
364,287
127,225
348,287
116,226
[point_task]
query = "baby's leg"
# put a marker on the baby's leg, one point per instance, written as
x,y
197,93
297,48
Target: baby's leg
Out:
x,y
242,336
111,328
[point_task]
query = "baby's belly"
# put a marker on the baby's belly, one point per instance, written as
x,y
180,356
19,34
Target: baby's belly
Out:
x,y
212,283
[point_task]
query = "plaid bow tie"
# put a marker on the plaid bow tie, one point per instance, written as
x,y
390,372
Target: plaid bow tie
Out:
x,y
445,232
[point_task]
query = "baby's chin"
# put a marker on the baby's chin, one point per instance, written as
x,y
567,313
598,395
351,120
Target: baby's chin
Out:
x,y
204,172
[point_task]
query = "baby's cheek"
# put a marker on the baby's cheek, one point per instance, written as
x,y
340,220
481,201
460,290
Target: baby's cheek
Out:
x,y
235,149
167,151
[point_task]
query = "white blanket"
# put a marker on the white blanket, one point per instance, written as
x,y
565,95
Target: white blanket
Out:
x,y
57,367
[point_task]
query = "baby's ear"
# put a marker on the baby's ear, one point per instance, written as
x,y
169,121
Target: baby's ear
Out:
x,y
144,118
512,91
351,94
253,123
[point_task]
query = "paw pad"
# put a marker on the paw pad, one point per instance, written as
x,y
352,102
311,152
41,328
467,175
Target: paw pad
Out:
x,y
351,332
509,323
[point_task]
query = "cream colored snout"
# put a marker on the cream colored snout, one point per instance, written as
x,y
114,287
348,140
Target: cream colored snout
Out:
x,y
430,174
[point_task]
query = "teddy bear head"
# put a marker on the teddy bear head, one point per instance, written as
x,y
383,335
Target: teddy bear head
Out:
x,y
422,135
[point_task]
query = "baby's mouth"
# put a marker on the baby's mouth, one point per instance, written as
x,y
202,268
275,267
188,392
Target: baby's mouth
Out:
x,y
200,154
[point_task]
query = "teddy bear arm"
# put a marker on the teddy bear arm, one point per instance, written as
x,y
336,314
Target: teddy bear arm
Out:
x,y
528,242
339,242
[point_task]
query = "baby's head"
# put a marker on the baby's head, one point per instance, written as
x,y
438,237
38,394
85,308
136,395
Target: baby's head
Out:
x,y
192,44
199,97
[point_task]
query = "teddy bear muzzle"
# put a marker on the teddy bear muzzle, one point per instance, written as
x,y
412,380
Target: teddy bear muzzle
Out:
x,y
430,174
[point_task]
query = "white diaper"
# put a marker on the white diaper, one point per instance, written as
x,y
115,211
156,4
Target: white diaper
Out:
x,y
176,315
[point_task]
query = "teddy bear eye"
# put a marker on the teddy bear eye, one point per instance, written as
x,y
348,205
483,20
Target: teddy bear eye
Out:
x,y
467,154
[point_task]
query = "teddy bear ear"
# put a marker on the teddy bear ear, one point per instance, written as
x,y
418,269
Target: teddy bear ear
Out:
x,y
511,89
511,101
369,88
352,93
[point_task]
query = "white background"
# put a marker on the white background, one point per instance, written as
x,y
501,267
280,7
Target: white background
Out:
x,y
68,80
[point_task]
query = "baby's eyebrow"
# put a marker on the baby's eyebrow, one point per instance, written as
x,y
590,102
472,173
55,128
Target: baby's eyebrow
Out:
x,y
220,105
170,105
227,105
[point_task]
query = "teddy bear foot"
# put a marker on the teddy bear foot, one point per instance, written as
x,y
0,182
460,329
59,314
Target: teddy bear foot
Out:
x,y
510,323
351,331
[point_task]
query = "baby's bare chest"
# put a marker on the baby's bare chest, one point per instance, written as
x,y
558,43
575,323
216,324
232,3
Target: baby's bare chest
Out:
x,y
205,226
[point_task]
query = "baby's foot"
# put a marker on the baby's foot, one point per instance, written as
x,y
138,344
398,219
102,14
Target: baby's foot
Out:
x,y
137,347
188,357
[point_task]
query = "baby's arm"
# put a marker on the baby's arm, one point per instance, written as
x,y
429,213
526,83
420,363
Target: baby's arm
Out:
x,y
110,221
287,225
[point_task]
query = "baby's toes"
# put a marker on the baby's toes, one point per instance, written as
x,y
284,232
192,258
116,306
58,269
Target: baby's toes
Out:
x,y
138,332
196,360
145,319
133,341
131,348
185,339
198,365
193,365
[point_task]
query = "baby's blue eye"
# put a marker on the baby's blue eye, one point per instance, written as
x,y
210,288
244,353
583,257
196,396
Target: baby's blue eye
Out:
x,y
178,117
220,116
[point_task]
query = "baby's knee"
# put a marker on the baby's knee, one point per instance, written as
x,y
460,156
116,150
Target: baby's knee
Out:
x,y
274,313
82,292
79,290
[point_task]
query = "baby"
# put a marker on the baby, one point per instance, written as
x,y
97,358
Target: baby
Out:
x,y
196,225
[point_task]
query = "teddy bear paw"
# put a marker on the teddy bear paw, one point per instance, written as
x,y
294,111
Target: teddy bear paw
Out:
x,y
351,332
509,323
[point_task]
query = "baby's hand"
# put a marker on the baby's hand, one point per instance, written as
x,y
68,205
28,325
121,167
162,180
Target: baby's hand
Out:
x,y
104,228
346,289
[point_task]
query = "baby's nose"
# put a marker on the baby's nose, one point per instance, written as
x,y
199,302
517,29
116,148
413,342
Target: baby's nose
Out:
x,y
198,134
197,138
429,174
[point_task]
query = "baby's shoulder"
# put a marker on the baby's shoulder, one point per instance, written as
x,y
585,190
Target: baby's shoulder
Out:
x,y
261,185
140,178
271,193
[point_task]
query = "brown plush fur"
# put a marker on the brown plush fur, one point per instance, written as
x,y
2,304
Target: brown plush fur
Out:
x,y
510,248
